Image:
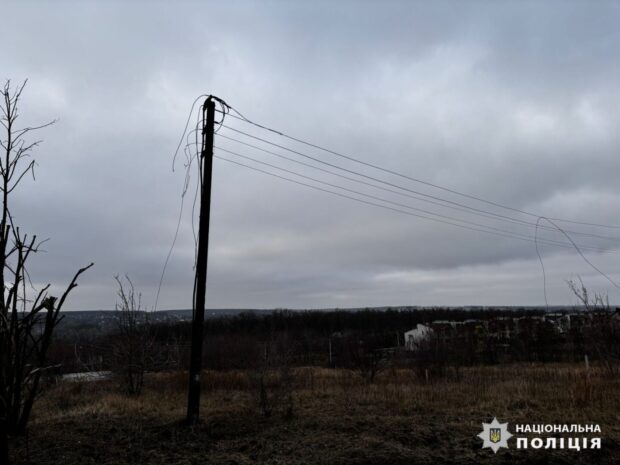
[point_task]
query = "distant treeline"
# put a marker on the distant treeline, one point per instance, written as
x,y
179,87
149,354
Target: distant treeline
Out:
x,y
367,321
325,338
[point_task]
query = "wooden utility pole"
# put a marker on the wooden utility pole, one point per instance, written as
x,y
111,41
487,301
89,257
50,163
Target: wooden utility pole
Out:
x,y
200,284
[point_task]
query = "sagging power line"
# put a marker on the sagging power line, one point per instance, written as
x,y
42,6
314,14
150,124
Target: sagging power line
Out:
x,y
396,173
447,220
413,194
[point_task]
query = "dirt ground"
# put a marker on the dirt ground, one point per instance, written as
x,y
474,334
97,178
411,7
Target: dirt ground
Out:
x,y
335,418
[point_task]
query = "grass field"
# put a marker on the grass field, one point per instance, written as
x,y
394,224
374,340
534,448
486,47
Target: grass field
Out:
x,y
336,418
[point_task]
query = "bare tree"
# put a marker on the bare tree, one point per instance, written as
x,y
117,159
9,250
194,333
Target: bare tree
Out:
x,y
597,302
27,316
602,334
133,346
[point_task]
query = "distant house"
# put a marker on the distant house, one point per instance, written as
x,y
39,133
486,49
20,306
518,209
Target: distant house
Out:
x,y
559,321
415,337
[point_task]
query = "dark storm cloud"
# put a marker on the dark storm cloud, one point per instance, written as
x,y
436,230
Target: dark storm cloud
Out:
x,y
515,102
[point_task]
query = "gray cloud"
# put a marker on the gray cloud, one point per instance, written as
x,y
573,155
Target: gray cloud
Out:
x,y
514,102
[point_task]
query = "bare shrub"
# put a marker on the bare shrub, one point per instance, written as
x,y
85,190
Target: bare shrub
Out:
x,y
132,346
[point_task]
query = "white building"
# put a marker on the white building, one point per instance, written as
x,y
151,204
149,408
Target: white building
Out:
x,y
415,337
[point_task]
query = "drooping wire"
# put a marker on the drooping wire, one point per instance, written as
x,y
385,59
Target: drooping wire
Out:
x,y
542,265
196,155
578,249
186,183
241,117
189,116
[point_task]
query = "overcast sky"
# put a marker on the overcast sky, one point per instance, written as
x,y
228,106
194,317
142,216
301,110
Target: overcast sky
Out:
x,y
517,103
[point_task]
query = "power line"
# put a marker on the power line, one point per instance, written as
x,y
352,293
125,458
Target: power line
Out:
x,y
356,192
405,194
451,204
365,175
372,196
240,117
494,231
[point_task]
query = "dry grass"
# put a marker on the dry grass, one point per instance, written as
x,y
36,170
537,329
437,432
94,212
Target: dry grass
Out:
x,y
338,419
